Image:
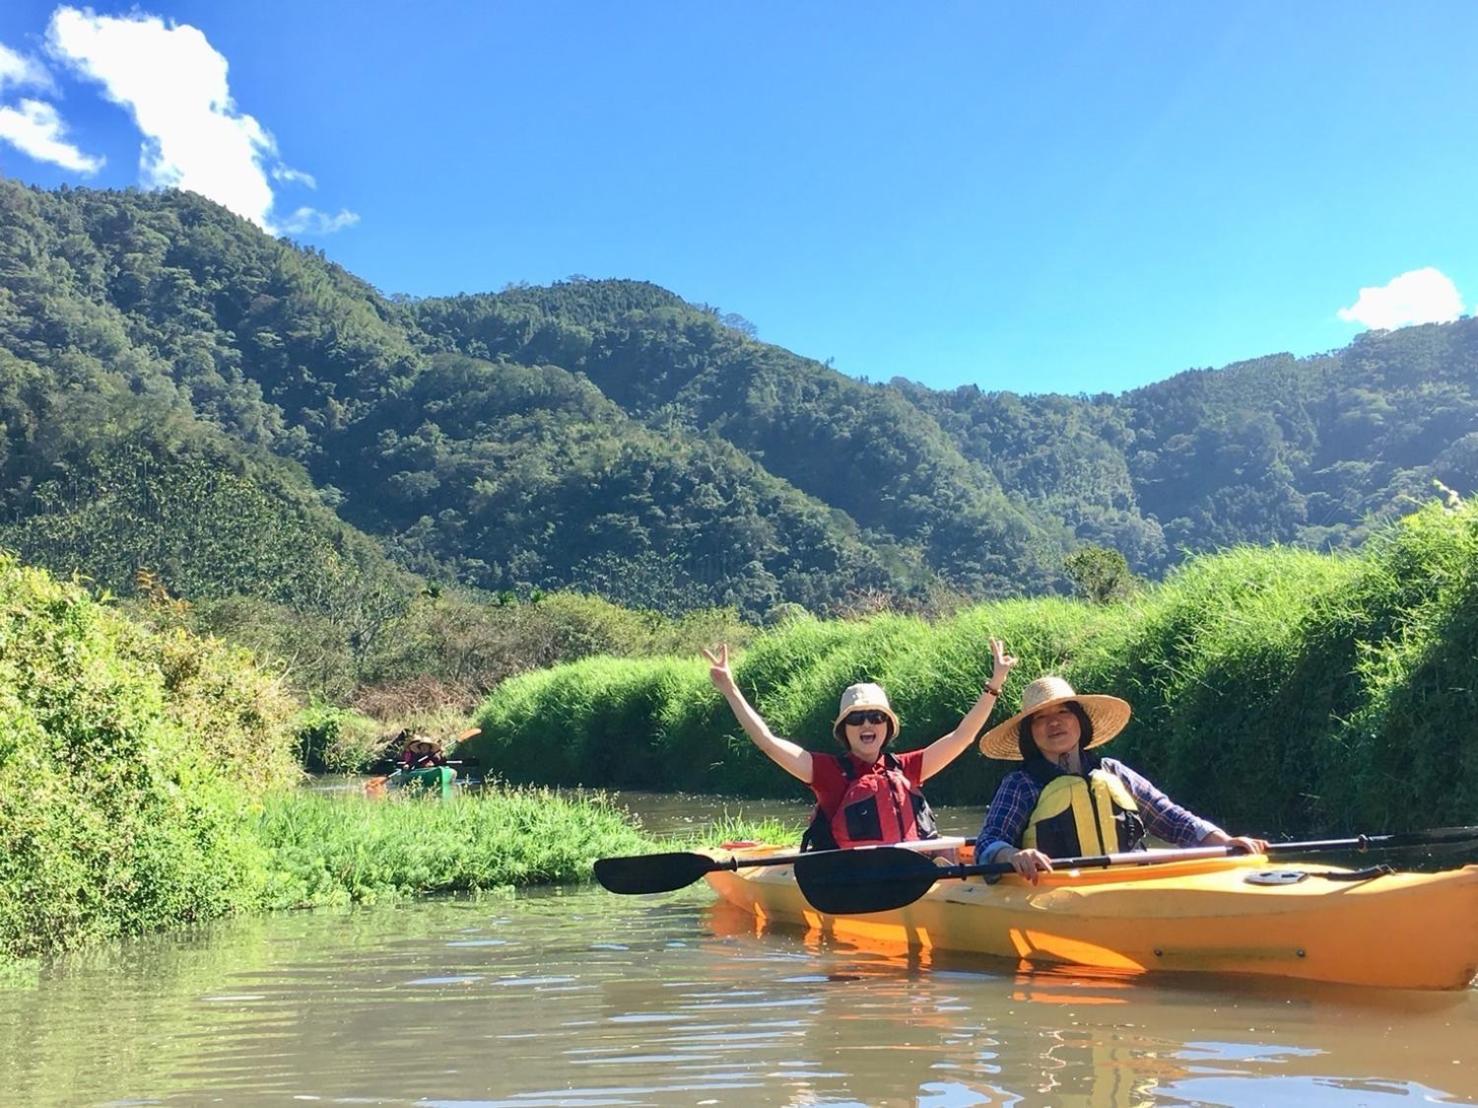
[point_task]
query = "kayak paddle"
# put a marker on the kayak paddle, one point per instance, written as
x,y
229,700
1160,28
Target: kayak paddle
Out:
x,y
662,873
850,882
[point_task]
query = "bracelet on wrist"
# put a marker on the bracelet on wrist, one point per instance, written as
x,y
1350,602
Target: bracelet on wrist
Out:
x,y
995,692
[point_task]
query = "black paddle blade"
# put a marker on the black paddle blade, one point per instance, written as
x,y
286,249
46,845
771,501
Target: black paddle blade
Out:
x,y
653,873
854,882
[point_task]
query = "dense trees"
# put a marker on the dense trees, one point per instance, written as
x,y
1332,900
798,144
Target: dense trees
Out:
x,y
182,393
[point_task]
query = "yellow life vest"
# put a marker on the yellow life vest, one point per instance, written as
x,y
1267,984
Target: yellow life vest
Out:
x,y
1076,816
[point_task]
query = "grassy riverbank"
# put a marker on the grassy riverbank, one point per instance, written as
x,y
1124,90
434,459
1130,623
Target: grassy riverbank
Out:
x,y
148,780
333,849
1274,689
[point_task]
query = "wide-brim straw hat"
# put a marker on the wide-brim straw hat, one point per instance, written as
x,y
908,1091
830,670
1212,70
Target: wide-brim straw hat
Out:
x,y
864,697
1108,713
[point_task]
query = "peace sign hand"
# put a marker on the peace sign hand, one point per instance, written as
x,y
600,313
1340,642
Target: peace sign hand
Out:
x,y
1002,663
718,667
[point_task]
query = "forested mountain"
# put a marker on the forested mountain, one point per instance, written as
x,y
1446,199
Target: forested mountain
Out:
x,y
1310,451
182,393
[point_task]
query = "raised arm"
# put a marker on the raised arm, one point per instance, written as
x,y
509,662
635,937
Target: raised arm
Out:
x,y
793,759
941,752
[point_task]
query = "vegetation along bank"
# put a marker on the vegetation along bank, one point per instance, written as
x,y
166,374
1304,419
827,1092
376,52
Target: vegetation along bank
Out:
x,y
1277,688
147,780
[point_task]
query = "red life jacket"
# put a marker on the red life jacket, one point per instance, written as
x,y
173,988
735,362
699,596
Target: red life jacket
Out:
x,y
881,806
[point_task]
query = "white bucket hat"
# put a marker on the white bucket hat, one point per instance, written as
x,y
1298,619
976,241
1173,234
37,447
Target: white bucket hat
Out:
x,y
864,697
1108,713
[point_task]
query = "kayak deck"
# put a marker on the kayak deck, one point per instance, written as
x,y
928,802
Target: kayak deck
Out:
x,y
1399,930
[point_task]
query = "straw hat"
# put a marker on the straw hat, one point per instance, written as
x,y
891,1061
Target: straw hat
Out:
x,y
416,738
862,698
1108,713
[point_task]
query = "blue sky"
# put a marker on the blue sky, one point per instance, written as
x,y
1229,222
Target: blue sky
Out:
x,y
1063,197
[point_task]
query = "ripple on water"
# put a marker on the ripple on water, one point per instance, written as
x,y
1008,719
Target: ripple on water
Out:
x,y
583,998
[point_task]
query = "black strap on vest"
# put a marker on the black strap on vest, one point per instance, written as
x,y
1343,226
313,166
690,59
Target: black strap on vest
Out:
x,y
818,835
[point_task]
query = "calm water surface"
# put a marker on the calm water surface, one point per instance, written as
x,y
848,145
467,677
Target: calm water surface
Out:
x,y
579,997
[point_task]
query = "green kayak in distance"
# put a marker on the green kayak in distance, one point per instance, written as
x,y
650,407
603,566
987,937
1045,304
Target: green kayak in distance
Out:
x,y
435,780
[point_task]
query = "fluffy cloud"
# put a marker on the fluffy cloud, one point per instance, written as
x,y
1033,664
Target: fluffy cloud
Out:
x,y
1420,296
293,176
173,82
35,129
22,72
311,222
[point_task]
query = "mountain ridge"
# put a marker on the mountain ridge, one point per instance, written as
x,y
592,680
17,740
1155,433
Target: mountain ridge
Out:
x,y
609,435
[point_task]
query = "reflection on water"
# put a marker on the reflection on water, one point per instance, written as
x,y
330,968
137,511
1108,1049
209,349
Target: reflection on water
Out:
x,y
584,998
577,997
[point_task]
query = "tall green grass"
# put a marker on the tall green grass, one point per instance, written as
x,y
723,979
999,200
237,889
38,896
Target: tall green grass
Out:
x,y
1274,689
330,849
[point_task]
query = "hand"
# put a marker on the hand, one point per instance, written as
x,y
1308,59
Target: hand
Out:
x,y
1245,845
1002,663
718,668
1031,864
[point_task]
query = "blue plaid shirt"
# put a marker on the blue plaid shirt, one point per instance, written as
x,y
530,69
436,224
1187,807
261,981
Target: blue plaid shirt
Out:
x,y
1019,792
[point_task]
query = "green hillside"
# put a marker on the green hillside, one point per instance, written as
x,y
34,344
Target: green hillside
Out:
x,y
164,364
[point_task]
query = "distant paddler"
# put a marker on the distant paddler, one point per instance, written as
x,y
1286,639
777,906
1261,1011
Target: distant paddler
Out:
x,y
422,764
419,751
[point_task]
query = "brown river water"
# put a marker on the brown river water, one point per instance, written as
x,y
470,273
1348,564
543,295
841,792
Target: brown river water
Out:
x,y
578,997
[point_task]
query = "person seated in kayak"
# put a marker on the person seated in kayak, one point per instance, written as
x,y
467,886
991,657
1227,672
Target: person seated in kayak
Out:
x,y
1066,802
865,794
420,752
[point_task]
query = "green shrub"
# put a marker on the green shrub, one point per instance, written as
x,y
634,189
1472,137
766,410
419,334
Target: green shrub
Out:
x,y
1274,689
129,760
329,739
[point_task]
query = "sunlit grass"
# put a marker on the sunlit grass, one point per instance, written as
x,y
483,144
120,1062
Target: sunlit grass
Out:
x,y
328,849
1274,689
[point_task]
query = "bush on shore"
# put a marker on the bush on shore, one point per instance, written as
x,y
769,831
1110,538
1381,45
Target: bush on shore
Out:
x,y
1274,689
149,774
330,739
129,760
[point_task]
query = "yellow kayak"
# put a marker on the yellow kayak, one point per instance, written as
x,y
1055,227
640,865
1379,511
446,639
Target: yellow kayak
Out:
x,y
1224,915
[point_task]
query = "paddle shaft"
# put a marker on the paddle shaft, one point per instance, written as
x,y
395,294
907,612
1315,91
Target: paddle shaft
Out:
x,y
917,846
1194,853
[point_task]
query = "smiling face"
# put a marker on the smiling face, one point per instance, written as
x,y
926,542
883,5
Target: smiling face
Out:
x,y
865,733
1056,730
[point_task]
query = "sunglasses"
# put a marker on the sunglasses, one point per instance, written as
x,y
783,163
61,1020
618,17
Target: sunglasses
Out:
x,y
857,719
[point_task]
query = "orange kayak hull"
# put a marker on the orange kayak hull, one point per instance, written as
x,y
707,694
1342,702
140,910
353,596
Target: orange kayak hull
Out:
x,y
1401,930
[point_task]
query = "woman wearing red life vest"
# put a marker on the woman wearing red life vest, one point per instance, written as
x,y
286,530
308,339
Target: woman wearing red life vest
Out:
x,y
865,794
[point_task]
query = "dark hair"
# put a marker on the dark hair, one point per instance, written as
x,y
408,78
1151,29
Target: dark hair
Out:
x,y
1028,745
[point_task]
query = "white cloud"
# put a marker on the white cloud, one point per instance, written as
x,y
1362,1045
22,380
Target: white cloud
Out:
x,y
311,222
1420,296
22,71
35,129
293,176
174,83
